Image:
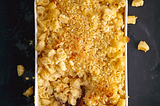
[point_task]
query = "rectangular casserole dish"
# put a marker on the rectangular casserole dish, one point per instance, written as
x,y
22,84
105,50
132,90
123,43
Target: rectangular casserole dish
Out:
x,y
125,33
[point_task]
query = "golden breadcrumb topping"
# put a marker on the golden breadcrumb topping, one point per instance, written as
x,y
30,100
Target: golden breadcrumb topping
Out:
x,y
81,44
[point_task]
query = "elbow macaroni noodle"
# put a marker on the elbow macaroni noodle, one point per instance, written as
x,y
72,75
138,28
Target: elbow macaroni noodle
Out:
x,y
137,3
20,70
81,43
143,46
131,19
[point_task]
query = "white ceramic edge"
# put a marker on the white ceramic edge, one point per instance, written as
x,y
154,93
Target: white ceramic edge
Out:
x,y
36,86
126,73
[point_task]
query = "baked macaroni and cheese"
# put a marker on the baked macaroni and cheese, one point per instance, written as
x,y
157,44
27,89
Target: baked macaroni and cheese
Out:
x,y
81,52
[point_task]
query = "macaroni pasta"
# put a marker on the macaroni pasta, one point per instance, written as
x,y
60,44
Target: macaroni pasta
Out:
x,y
143,46
137,3
131,19
20,70
81,52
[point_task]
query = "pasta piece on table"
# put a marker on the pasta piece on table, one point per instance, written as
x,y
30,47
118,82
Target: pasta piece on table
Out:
x,y
20,70
28,92
131,19
137,3
143,46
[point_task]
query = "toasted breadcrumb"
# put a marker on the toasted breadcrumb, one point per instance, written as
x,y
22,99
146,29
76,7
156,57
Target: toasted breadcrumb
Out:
x,y
20,70
31,42
27,78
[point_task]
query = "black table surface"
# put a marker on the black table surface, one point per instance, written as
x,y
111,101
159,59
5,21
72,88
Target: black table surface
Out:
x,y
17,31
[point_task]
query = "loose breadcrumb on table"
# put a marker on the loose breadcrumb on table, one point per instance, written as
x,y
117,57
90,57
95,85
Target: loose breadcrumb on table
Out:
x,y
31,42
27,78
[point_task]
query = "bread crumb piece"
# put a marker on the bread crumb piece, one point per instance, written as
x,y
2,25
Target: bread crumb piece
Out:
x,y
143,46
137,3
31,42
33,77
27,78
131,19
28,92
20,70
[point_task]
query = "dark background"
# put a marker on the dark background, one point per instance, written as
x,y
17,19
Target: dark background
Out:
x,y
17,29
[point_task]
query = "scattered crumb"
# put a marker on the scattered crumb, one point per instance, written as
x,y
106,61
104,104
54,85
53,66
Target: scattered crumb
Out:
x,y
31,42
34,99
143,46
28,92
20,70
137,3
131,20
33,77
27,78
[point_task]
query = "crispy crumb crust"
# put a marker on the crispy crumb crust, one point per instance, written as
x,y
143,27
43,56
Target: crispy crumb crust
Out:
x,y
81,43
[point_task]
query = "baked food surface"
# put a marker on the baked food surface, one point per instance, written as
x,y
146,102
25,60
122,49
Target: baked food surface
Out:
x,y
81,52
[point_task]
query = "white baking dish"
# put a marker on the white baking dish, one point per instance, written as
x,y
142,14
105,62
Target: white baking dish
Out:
x,y
36,86
126,74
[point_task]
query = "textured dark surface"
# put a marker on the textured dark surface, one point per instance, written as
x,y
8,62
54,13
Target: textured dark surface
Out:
x,y
17,29
144,68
